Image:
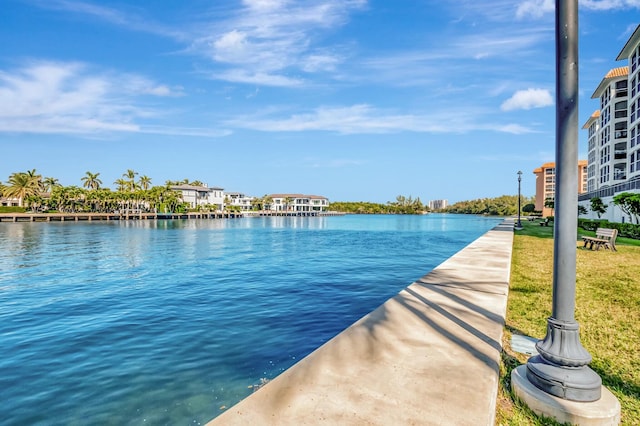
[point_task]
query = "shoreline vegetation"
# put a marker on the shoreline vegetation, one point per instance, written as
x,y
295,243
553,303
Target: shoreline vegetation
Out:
x,y
36,193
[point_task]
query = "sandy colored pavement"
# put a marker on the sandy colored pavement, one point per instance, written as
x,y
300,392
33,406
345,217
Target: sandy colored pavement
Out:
x,y
428,356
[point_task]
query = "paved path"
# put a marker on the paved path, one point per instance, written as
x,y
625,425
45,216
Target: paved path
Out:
x,y
428,356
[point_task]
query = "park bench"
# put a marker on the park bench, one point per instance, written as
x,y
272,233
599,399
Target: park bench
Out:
x,y
545,222
605,237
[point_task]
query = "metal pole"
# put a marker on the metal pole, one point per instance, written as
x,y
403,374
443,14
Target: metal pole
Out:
x,y
561,368
519,225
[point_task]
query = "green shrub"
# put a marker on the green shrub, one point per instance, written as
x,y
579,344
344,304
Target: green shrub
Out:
x,y
628,230
12,209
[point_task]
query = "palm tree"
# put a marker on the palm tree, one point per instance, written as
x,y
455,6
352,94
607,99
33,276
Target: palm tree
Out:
x,y
49,183
130,176
287,202
266,201
22,185
144,182
91,180
121,184
35,176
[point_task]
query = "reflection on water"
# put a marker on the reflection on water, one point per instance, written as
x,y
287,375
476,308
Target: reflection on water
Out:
x,y
164,322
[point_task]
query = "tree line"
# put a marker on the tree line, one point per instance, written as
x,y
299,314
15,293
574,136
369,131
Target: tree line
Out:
x,y
38,193
401,205
505,205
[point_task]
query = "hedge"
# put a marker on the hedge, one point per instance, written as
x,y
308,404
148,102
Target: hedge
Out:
x,y
628,230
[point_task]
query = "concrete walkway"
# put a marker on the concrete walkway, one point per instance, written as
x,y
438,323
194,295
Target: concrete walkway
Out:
x,y
428,356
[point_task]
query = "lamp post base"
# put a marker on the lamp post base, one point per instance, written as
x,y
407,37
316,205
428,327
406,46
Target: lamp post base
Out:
x,y
580,384
604,411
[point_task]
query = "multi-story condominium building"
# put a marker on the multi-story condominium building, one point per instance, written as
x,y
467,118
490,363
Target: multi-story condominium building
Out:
x,y
614,134
546,184
593,125
298,203
438,204
631,53
201,196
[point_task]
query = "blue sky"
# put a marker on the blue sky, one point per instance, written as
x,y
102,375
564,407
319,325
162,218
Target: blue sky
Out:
x,y
350,99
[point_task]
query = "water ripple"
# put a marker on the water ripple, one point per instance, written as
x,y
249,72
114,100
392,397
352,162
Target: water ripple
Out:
x,y
165,322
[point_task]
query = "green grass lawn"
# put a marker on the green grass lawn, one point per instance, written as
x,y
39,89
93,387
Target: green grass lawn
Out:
x,y
607,309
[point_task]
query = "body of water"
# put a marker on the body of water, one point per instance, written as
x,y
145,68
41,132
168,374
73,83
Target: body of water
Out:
x,y
170,322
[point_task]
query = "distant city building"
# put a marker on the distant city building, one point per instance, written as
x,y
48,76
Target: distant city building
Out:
x,y
546,184
438,204
201,196
297,203
614,134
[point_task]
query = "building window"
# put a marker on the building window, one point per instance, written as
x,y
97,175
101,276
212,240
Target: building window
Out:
x,y
621,109
621,89
604,174
605,155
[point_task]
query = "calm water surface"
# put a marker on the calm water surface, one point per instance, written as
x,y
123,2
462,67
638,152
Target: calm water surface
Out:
x,y
167,322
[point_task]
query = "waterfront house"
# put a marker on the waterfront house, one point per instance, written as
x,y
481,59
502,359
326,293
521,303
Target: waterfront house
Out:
x,y
298,203
201,196
9,202
238,200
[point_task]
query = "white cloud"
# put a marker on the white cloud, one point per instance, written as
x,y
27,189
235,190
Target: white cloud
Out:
x,y
365,119
275,38
67,98
539,8
516,129
528,99
535,8
116,17
260,78
610,4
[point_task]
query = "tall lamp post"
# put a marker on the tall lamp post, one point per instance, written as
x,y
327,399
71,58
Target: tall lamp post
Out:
x,y
519,224
561,368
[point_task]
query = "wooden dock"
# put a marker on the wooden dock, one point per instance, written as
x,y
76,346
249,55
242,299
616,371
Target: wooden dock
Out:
x,y
76,217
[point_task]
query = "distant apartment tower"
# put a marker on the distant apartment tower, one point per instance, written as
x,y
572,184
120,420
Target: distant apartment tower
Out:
x,y
546,184
614,134
438,204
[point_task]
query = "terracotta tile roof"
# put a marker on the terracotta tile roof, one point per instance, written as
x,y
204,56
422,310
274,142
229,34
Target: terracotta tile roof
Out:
x,y
594,116
552,165
297,196
618,72
612,74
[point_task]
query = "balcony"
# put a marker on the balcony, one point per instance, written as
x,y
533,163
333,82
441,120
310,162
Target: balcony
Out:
x,y
620,134
619,155
619,176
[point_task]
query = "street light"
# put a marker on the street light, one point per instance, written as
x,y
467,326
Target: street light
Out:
x,y
519,224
